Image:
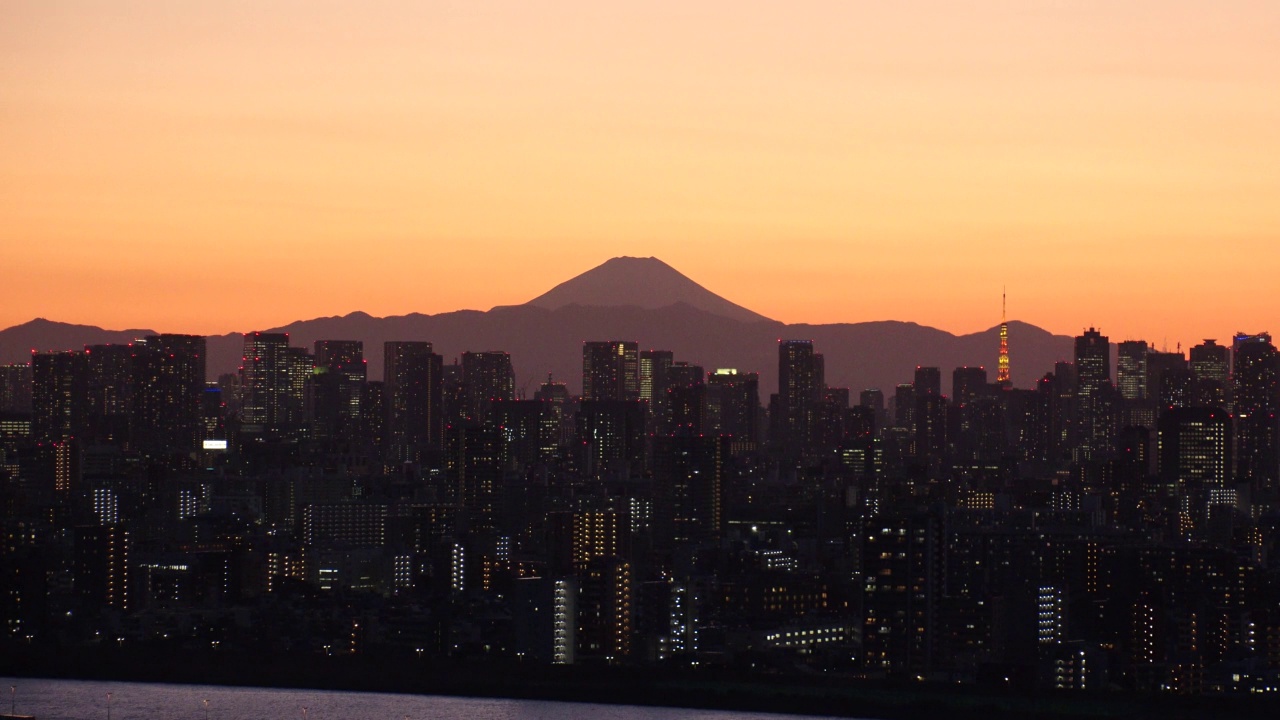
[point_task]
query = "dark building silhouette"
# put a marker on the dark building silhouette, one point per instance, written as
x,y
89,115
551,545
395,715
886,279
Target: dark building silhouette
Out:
x,y
610,371
1256,383
1211,365
169,377
968,383
59,396
15,388
1093,393
733,404
487,377
800,386
412,395
264,380
1131,369
337,388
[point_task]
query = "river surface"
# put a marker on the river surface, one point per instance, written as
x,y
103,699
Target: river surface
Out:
x,y
87,700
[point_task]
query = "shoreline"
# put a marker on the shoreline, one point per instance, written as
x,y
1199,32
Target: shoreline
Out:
x,y
691,688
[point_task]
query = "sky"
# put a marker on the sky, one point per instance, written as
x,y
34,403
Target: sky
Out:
x,y
229,166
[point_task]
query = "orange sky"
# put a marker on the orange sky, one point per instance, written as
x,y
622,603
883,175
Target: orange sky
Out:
x,y
210,167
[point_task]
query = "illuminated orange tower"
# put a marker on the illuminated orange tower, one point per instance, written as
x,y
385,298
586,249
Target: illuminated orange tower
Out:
x,y
1002,365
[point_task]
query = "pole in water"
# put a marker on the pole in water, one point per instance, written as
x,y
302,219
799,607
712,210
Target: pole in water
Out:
x,y
108,706
206,709
13,699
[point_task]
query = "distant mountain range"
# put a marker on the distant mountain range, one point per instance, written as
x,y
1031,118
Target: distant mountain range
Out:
x,y
641,299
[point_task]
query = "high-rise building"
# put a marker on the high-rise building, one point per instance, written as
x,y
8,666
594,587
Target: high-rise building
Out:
x,y
800,385
102,567
1195,449
110,388
610,370
59,397
968,383
928,381
689,489
1255,377
733,404
1131,369
412,389
169,372
1211,364
654,365
15,388
610,437
1093,370
1161,364
487,377
264,381
337,387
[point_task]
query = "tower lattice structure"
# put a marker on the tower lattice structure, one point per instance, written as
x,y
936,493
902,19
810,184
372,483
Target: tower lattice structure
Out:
x,y
1002,365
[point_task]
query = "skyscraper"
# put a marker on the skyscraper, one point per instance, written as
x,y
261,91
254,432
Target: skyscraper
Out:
x,y
1131,369
1256,380
610,370
1211,364
169,373
412,396
337,388
264,373
1093,368
800,386
487,377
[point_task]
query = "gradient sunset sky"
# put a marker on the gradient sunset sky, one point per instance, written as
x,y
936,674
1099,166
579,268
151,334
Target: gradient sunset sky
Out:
x,y
226,166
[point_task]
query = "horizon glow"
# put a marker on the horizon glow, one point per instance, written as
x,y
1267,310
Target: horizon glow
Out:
x,y
229,167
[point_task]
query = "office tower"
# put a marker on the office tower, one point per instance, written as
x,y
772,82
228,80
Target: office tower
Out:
x,y
904,406
299,368
169,372
1256,380
474,463
928,381
654,365
412,395
1131,369
15,388
109,393
1160,364
552,392
264,381
1003,376
531,431
59,401
610,437
799,390
373,414
487,377
686,400
689,487
733,404
874,398
213,415
1211,364
1093,372
1195,449
337,387
1177,388
968,383
610,371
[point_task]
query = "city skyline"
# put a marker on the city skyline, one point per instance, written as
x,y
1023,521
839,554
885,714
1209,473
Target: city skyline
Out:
x,y
209,170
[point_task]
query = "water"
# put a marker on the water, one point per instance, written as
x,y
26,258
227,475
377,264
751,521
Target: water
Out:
x,y
87,700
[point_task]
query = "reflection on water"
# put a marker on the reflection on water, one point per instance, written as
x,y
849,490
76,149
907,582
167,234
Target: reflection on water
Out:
x,y
87,700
